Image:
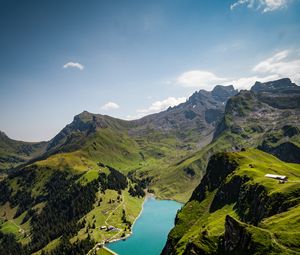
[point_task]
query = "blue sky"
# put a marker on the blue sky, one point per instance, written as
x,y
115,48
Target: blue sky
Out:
x,y
130,58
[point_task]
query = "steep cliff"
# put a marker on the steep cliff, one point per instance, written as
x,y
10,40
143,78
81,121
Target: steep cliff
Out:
x,y
237,210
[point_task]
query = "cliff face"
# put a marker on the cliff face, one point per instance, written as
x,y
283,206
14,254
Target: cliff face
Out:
x,y
232,211
236,237
266,117
219,166
286,151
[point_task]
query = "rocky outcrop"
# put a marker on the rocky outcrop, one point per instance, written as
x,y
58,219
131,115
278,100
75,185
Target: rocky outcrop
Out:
x,y
236,238
222,93
228,192
219,166
287,151
290,131
284,83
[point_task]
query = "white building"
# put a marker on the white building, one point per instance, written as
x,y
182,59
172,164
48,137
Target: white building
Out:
x,y
277,177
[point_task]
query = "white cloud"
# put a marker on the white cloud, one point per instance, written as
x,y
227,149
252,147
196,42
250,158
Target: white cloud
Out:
x,y
73,65
199,79
162,105
264,5
247,82
110,106
282,64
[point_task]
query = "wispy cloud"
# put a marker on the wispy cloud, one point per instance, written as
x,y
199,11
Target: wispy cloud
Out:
x,y
247,82
158,106
283,64
73,65
263,5
110,106
199,79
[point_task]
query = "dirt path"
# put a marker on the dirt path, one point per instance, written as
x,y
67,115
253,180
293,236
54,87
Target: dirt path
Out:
x,y
281,245
110,214
274,240
106,223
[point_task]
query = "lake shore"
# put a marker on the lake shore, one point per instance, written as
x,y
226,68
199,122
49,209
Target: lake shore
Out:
x,y
151,230
148,195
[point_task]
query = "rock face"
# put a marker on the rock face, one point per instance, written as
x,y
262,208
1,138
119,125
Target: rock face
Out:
x,y
234,192
223,93
198,116
219,166
189,122
281,84
286,151
236,237
267,117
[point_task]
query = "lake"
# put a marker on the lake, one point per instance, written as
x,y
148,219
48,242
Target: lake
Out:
x,y
151,230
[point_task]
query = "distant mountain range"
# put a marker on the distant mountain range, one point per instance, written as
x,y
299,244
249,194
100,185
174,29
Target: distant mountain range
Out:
x,y
236,209
166,153
162,138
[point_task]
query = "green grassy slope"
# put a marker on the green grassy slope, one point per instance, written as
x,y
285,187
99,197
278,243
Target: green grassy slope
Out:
x,y
249,122
266,210
166,152
32,184
155,156
14,153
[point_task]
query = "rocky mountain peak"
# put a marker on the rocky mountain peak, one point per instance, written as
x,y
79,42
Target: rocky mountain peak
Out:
x,y
198,96
280,84
2,134
223,93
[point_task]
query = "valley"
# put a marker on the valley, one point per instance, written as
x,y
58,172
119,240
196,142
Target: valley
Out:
x,y
86,186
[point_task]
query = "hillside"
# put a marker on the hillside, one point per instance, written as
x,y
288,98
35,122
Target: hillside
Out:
x,y
237,210
150,147
14,153
267,119
98,165
94,173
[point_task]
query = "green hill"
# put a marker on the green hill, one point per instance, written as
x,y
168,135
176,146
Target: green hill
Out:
x,y
58,195
14,153
237,210
252,119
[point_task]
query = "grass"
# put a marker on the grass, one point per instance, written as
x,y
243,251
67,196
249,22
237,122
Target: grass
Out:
x,y
14,152
49,247
110,214
278,233
11,225
154,155
104,251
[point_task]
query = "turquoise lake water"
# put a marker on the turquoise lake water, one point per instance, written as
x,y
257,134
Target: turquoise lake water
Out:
x,y
151,230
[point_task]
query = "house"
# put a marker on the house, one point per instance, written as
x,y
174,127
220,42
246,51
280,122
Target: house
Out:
x,y
103,227
111,228
282,178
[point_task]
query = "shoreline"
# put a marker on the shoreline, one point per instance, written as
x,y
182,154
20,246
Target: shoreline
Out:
x,y
148,195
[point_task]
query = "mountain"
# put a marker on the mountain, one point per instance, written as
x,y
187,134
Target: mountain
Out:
x,y
194,119
13,153
271,86
149,147
237,210
57,199
186,122
265,119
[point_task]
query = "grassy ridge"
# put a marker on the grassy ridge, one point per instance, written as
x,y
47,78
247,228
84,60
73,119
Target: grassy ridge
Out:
x,y
200,227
